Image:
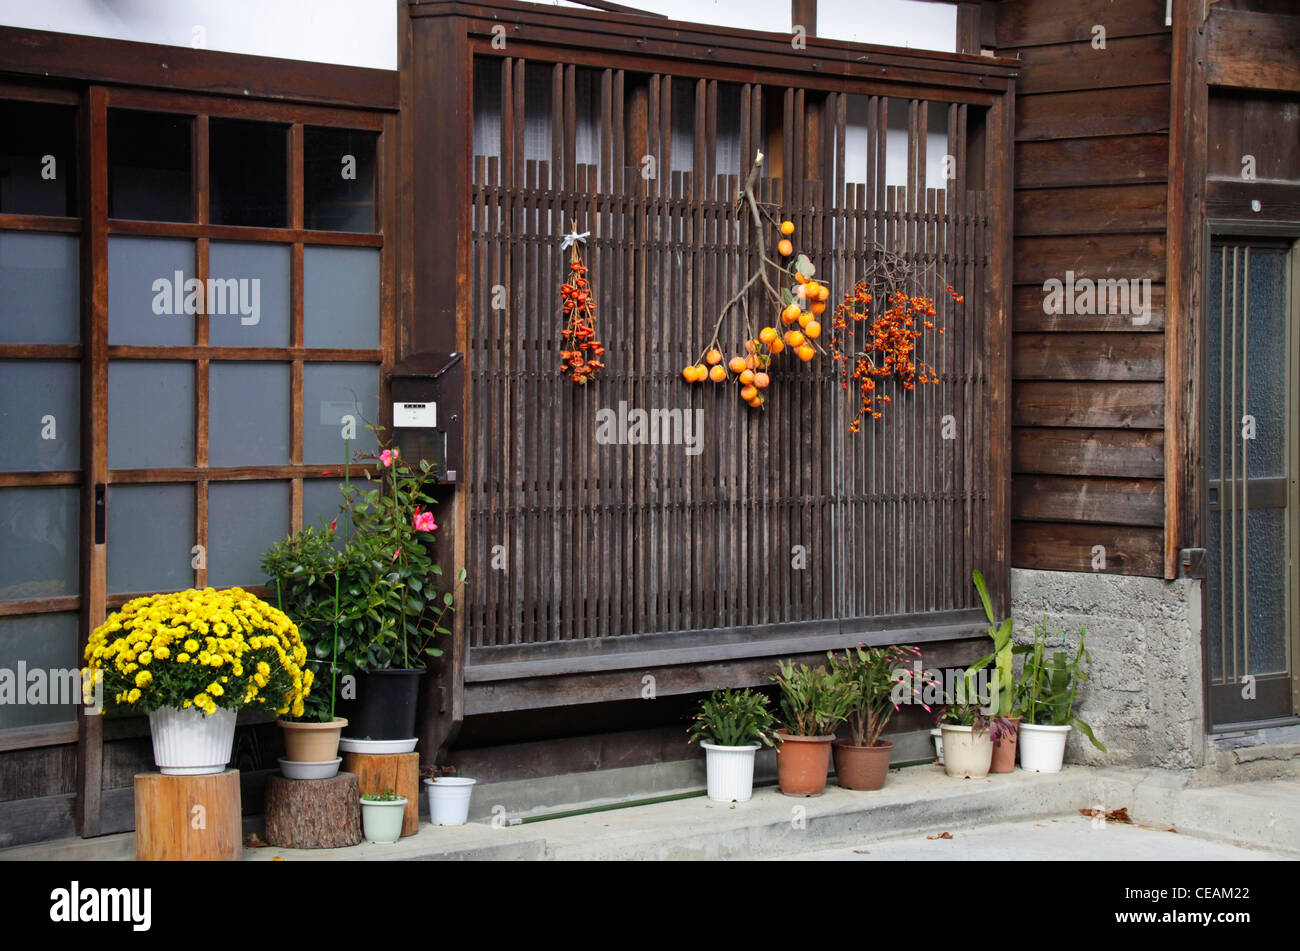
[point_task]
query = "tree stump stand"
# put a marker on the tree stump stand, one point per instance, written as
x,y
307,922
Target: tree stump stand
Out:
x,y
399,772
179,818
313,813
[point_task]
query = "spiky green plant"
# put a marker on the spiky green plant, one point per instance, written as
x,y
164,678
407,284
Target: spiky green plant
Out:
x,y
734,718
1049,690
1003,650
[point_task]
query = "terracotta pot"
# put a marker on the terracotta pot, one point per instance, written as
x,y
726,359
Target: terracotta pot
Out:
x,y
312,742
862,767
802,763
1004,754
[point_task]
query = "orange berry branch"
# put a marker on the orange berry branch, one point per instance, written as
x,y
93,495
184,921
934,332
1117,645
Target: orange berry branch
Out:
x,y
800,299
581,351
888,349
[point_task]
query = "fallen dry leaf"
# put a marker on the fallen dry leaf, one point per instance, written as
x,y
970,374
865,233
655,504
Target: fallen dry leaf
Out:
x,y
941,835
1115,815
861,852
254,842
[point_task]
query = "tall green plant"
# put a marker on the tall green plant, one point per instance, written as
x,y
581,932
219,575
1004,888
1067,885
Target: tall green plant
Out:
x,y
1050,688
1001,633
814,700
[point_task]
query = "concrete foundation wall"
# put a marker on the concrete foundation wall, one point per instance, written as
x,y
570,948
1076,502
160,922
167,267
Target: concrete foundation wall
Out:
x,y
1144,701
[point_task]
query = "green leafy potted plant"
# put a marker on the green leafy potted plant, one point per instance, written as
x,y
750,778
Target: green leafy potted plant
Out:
x,y
381,816
1049,691
1003,705
862,761
967,734
373,601
730,726
308,571
814,702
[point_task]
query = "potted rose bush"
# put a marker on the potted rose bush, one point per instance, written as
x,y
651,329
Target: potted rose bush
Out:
x,y
191,660
369,602
730,726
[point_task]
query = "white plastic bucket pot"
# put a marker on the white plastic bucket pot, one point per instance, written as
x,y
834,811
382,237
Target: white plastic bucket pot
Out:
x,y
1042,748
190,743
967,752
938,744
730,771
449,800
381,822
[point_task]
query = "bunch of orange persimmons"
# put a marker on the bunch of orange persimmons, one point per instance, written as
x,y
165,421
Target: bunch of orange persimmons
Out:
x,y
802,303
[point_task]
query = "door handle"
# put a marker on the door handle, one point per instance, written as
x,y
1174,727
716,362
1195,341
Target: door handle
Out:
x,y
101,513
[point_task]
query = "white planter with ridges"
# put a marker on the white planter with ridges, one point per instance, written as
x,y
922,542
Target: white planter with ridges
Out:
x,y
938,744
381,822
1042,748
730,771
190,743
449,800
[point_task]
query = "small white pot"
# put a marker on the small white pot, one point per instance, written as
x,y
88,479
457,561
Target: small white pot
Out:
x,y
1042,748
326,769
348,745
449,800
938,744
190,743
730,771
967,752
381,822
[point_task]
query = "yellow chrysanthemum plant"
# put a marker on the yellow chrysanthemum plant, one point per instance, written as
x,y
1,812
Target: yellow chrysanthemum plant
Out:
x,y
206,650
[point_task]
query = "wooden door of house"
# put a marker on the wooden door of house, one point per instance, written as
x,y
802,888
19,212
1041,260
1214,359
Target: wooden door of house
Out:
x,y
1251,389
195,310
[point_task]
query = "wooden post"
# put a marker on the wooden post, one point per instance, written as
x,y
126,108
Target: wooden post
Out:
x,y
313,813
188,817
399,772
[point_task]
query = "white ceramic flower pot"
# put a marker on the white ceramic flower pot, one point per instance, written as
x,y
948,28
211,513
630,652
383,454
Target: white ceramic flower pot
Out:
x,y
938,744
381,822
730,771
189,743
449,800
1042,748
967,752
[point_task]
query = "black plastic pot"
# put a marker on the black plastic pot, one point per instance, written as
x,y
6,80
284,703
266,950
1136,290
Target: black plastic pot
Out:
x,y
385,705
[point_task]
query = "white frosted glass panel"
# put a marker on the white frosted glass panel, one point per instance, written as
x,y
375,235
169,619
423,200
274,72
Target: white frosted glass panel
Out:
x,y
244,520
40,415
330,392
341,298
151,538
248,415
248,304
40,287
46,643
39,542
1266,568
1266,362
146,291
322,503
150,414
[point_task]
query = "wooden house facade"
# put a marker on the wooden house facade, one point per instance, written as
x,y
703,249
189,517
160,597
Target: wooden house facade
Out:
x,y
610,585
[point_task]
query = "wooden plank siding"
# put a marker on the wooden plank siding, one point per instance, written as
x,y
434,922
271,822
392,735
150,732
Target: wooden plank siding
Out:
x,y
1091,198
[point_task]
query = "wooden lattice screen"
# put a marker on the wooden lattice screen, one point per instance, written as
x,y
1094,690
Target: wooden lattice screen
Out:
x,y
571,539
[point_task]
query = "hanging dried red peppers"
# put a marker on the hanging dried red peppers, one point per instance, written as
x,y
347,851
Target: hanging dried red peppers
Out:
x,y
581,349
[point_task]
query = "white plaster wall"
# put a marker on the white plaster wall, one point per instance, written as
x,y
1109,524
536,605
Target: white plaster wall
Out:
x,y
345,32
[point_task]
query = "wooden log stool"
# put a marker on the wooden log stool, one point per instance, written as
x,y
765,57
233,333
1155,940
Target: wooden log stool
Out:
x,y
188,817
313,813
399,772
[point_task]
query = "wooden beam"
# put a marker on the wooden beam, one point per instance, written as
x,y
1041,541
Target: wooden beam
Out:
x,y
1253,51
97,60
1189,107
1104,549
804,13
